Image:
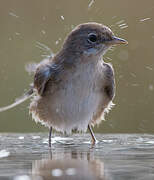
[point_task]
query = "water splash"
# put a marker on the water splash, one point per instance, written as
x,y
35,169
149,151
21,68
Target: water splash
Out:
x,y
23,177
91,3
13,14
120,22
145,19
4,153
21,137
48,52
62,17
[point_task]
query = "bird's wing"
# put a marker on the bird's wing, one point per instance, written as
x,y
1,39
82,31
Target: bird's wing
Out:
x,y
109,85
44,73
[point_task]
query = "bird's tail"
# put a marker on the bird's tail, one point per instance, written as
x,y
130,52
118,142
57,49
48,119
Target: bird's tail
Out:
x,y
18,101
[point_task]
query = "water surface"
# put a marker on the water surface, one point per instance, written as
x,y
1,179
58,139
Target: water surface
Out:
x,y
25,23
115,157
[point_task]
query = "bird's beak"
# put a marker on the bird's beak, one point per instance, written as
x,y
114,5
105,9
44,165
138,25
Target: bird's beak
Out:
x,y
116,40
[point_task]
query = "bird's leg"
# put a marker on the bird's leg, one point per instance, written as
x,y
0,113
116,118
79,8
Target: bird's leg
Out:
x,y
50,133
94,140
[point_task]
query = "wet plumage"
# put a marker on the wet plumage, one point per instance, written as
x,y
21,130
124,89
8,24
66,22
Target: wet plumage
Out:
x,y
76,87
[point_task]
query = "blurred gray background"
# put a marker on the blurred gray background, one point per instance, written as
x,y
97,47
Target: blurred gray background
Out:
x,y
25,23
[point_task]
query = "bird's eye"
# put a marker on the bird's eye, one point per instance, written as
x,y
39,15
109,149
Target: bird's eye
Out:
x,y
92,37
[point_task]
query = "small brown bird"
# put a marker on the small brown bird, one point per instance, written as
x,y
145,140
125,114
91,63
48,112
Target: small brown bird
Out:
x,y
76,87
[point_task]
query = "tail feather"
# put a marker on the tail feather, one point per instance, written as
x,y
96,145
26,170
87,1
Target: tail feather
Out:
x,y
18,101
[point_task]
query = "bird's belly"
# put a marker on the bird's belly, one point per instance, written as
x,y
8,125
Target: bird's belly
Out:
x,y
74,108
73,104
71,107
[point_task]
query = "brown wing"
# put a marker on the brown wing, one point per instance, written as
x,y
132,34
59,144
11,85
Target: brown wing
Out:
x,y
109,86
44,73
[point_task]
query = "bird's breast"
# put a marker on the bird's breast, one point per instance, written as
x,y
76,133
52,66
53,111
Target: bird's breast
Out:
x,y
79,95
76,99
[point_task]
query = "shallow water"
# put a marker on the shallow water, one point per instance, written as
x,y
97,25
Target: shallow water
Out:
x,y
30,29
114,157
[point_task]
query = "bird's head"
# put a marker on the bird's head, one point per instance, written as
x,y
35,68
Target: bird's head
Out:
x,y
91,39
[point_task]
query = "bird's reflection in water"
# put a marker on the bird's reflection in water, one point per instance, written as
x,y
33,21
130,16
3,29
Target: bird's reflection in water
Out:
x,y
70,165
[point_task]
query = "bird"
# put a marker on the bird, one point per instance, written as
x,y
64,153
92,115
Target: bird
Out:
x,y
74,89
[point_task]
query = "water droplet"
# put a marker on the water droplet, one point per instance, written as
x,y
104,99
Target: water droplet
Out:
x,y
151,87
23,177
35,137
145,19
149,68
57,172
70,171
17,33
57,42
13,14
4,153
123,27
43,32
62,17
121,21
150,142
91,3
21,137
